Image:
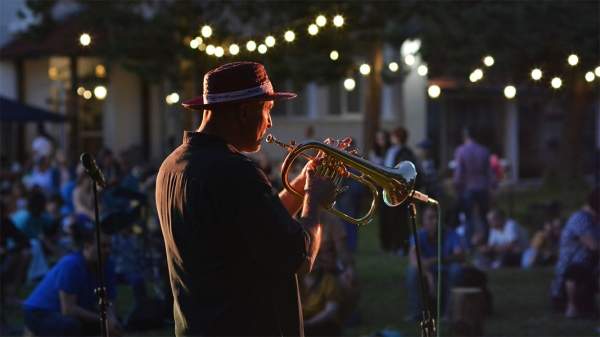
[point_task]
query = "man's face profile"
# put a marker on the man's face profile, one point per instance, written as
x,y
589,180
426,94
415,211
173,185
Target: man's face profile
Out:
x,y
258,121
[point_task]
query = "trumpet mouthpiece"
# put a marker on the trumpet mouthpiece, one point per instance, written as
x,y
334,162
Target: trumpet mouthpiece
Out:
x,y
269,138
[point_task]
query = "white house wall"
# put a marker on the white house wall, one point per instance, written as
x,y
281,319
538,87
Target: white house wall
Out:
x,y
122,127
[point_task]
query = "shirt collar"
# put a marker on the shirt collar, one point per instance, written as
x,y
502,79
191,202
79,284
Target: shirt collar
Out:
x,y
200,138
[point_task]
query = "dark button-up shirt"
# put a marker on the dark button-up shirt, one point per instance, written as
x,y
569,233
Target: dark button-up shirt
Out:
x,y
232,248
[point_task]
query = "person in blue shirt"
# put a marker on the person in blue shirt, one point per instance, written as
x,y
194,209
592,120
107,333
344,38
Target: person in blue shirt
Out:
x,y
64,302
452,257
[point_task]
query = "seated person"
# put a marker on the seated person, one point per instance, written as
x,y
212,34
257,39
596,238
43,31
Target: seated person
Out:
x,y
543,249
335,257
15,255
452,255
576,274
64,302
505,244
321,296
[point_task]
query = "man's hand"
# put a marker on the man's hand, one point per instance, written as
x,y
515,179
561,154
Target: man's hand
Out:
x,y
319,189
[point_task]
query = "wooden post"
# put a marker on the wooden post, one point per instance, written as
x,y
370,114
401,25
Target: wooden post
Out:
x,y
373,101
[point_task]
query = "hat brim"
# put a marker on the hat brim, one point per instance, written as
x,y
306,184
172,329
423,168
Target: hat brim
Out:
x,y
197,103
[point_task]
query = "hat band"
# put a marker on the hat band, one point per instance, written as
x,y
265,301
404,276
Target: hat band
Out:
x,y
265,88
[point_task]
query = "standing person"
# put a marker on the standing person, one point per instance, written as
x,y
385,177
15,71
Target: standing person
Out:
x,y
473,182
393,231
233,248
380,147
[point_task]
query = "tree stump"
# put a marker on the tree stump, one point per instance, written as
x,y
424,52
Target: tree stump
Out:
x,y
467,311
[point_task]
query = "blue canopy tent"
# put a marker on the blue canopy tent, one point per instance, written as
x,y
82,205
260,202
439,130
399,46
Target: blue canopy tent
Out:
x,y
13,111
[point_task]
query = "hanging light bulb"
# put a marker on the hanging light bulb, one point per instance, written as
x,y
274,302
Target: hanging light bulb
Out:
x,y
422,70
234,49
338,21
206,31
488,61
195,43
270,41
87,94
80,91
393,66
573,60
510,91
85,39
597,71
589,76
349,84
409,59
313,29
251,46
289,36
219,51
365,69
100,92
536,74
321,20
556,82
434,91
210,49
334,55
262,48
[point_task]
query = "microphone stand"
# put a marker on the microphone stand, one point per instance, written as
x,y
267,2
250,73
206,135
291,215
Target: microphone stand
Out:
x,y
427,323
101,290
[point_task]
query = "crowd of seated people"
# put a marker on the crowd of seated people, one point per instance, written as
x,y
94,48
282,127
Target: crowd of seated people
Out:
x,y
45,201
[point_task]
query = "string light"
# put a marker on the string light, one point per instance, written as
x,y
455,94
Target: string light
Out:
x,y
87,94
251,46
210,49
289,36
206,31
393,66
262,48
556,82
338,21
100,71
434,91
85,39
365,69
334,55
219,51
195,43
202,47
589,76
349,84
422,70
80,91
597,71
100,92
409,59
172,98
510,91
270,41
536,74
476,75
573,60
313,29
488,61
234,49
321,21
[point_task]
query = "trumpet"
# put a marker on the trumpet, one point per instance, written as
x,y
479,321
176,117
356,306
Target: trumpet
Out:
x,y
397,183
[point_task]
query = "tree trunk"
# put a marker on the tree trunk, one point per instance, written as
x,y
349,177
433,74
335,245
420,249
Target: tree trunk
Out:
x,y
373,98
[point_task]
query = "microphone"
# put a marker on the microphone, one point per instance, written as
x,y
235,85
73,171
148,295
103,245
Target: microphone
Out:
x,y
423,197
92,169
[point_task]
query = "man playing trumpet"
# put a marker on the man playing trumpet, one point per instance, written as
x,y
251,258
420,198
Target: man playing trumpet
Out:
x,y
233,248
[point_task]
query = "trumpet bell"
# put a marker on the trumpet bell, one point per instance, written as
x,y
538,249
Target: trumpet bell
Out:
x,y
401,184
